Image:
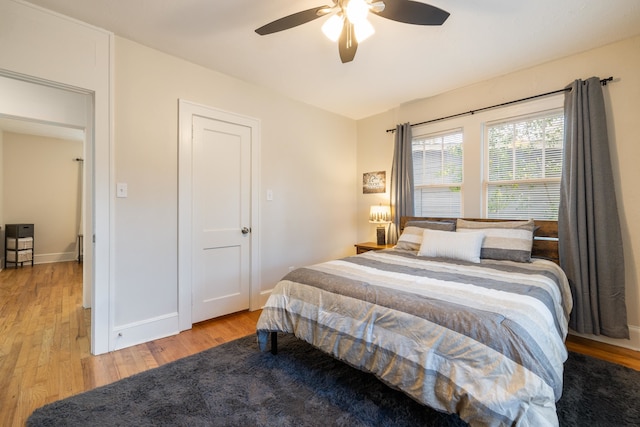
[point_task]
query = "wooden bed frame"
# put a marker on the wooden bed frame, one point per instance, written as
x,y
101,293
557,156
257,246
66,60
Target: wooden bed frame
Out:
x,y
545,239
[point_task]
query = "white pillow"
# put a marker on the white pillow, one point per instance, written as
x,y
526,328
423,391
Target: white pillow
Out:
x,y
411,237
445,244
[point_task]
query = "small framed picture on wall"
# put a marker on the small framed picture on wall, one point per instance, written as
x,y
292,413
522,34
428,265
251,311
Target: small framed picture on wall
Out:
x,y
374,182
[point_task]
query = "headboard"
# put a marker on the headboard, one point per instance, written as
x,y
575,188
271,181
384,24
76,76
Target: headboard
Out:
x,y
545,239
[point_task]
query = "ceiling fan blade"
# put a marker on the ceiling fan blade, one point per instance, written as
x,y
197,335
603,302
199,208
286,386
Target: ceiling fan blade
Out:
x,y
347,45
293,20
412,12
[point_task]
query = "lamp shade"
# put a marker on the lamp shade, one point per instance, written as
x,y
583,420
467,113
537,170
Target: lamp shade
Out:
x,y
380,214
333,27
357,10
363,30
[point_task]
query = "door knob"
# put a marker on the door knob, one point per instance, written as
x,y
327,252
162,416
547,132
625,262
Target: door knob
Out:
x,y
245,230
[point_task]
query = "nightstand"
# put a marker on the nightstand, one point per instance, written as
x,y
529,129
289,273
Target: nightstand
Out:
x,y
370,246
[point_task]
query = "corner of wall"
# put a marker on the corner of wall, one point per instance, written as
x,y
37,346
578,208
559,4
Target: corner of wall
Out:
x,y
374,153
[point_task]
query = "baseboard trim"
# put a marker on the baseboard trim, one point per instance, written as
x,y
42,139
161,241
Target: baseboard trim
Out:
x,y
55,257
143,331
633,343
47,259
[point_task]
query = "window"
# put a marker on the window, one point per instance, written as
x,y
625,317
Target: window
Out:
x,y
524,166
510,159
437,174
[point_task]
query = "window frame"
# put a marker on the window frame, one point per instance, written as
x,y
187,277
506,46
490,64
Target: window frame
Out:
x,y
485,135
474,203
433,135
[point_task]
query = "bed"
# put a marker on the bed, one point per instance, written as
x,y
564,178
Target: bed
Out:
x,y
464,316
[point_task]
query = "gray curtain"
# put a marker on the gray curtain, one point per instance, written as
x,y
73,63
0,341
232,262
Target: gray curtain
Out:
x,y
401,193
588,224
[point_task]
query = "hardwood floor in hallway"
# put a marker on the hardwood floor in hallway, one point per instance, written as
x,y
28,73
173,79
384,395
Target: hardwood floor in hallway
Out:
x,y
45,341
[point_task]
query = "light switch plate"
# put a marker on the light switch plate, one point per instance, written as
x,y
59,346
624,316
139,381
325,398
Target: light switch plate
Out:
x,y
121,189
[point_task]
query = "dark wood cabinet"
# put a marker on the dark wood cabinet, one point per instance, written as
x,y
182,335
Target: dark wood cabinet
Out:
x,y
18,244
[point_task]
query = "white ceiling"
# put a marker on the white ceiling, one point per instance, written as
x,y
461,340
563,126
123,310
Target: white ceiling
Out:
x,y
31,127
401,62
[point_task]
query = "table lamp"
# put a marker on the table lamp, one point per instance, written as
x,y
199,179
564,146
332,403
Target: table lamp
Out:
x,y
381,216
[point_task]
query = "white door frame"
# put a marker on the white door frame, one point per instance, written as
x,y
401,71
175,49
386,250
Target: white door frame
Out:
x,y
41,101
31,36
186,111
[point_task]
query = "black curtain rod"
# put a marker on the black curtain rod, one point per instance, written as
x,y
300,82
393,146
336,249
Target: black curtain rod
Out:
x,y
603,82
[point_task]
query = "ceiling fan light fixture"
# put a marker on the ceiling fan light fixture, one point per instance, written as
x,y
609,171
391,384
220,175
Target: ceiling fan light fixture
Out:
x,y
376,7
357,11
333,27
363,30
348,22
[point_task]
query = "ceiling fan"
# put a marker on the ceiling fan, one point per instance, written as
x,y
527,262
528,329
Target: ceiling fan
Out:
x,y
348,24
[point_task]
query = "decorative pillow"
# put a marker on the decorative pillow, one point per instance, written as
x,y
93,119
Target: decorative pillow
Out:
x,y
444,244
411,237
508,240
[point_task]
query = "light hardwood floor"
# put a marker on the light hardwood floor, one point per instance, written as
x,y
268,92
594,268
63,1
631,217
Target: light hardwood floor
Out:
x,y
45,343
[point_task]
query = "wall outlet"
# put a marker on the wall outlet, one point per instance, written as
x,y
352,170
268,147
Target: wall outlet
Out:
x,y
291,268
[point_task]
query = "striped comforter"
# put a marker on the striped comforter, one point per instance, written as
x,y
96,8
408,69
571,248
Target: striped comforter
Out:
x,y
485,341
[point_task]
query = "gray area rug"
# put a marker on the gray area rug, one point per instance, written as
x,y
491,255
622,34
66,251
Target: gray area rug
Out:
x,y
236,385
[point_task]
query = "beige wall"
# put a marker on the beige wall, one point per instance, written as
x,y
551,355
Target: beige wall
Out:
x,y
308,159
375,153
42,187
620,60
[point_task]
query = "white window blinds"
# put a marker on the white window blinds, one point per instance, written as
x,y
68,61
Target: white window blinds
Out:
x,y
524,167
437,172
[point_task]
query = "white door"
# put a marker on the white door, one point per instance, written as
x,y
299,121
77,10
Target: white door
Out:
x,y
221,218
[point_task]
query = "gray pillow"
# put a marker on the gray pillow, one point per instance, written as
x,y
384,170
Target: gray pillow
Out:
x,y
508,240
433,225
411,237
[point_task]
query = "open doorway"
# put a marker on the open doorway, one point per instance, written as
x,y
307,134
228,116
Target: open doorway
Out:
x,y
42,184
36,108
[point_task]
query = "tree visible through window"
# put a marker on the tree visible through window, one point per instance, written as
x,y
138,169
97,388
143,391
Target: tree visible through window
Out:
x,y
437,173
524,167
